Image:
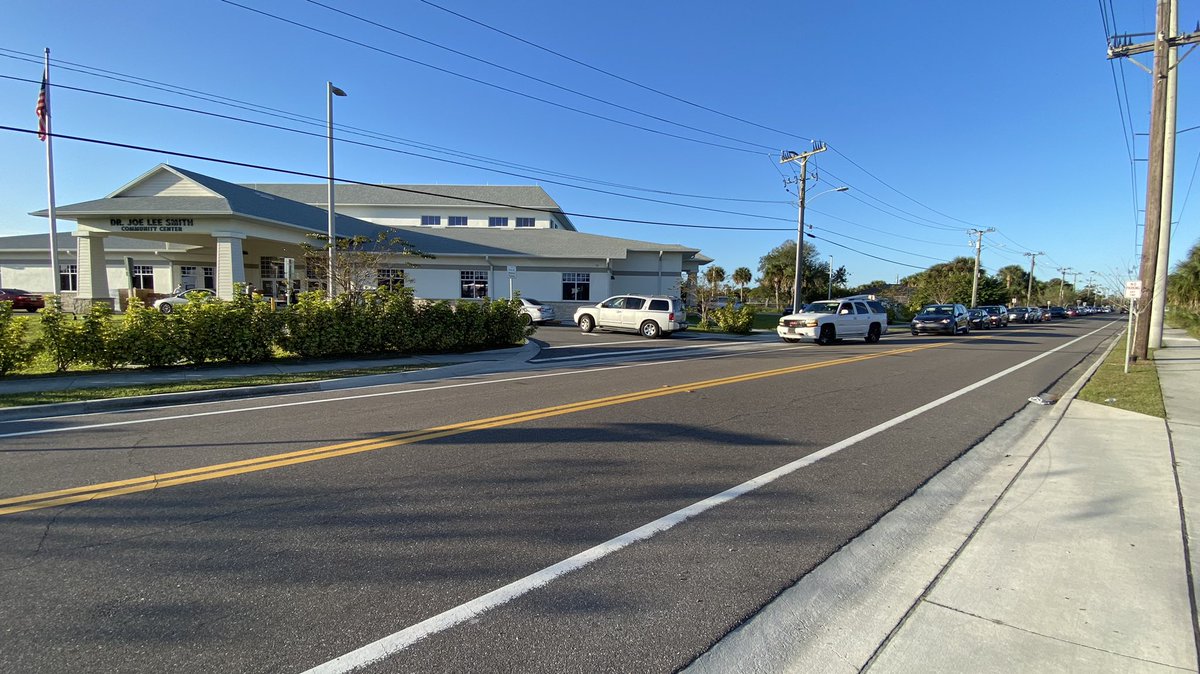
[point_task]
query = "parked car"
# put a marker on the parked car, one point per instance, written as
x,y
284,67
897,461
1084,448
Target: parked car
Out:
x,y
533,311
22,299
979,319
997,316
1034,315
827,321
1058,313
1018,315
169,304
649,315
950,319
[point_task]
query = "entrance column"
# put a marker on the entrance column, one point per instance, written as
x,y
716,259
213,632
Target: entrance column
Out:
x,y
231,268
92,270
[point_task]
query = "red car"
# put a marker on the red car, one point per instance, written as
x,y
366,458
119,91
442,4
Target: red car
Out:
x,y
22,300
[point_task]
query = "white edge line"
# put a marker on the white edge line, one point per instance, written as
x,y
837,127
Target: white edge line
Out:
x,y
391,644
321,401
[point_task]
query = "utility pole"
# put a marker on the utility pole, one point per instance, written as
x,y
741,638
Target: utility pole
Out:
x,y
1158,198
830,276
1158,303
802,157
1075,283
978,234
1062,281
1032,261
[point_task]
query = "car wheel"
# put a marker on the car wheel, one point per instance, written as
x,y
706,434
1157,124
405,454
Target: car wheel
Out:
x,y
915,333
31,309
526,319
791,340
587,323
828,335
166,307
872,334
650,330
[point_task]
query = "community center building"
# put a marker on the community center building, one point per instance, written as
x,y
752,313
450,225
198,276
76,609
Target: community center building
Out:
x,y
174,228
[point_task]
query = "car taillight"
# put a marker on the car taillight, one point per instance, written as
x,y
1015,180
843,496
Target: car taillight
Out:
x,y
671,316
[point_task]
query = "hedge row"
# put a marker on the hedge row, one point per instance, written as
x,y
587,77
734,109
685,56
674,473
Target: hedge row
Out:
x,y
247,330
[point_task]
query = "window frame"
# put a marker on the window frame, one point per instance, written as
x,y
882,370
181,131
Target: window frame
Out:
x,y
470,281
526,223
431,221
497,221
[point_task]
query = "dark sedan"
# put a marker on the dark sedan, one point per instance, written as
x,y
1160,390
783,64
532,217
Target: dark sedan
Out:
x,y
949,319
979,319
997,316
22,299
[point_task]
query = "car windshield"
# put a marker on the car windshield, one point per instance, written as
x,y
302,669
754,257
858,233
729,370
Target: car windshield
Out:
x,y
821,308
938,310
527,299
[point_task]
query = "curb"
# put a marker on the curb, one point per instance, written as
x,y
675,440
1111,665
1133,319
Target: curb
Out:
x,y
27,412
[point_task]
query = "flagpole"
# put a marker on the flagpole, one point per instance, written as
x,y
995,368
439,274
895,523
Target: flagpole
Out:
x,y
49,138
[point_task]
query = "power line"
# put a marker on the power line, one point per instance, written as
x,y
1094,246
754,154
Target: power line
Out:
x,y
539,80
485,83
398,151
306,174
612,74
346,129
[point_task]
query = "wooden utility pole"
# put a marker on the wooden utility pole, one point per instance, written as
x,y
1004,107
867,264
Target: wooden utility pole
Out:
x,y
1032,262
978,234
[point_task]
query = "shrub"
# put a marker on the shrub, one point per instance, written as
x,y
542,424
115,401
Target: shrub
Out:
x,y
149,337
311,328
737,321
15,352
60,336
505,325
100,339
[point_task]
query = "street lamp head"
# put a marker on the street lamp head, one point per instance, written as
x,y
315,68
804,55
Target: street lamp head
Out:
x,y
335,91
843,188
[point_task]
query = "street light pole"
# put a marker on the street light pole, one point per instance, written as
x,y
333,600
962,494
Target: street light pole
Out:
x,y
331,235
1062,282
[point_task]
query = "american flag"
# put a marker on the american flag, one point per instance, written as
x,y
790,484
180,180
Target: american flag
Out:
x,y
43,110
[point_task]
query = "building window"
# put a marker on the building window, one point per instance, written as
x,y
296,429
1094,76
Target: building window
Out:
x,y
457,220
68,277
143,277
210,277
389,278
497,222
525,222
577,287
431,220
474,284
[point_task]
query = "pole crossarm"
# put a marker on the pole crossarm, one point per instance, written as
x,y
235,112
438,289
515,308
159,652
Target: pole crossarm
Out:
x,y
1121,46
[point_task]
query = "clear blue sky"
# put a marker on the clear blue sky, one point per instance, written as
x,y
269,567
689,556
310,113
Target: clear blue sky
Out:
x,y
940,116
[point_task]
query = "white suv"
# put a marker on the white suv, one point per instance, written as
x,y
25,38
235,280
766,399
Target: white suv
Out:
x,y
650,315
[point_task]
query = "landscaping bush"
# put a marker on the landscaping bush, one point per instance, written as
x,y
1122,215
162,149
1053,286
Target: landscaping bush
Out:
x,y
737,321
60,336
505,324
149,337
101,340
16,353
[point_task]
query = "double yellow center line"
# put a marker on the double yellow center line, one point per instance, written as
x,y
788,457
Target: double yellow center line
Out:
x,y
50,499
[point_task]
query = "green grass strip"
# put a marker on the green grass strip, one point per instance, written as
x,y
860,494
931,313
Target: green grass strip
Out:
x,y
77,395
1138,391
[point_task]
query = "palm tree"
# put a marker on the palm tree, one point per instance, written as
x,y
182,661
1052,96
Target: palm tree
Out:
x,y
1183,285
742,277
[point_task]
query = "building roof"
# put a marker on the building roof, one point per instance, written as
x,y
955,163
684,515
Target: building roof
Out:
x,y
39,243
546,243
228,199
528,197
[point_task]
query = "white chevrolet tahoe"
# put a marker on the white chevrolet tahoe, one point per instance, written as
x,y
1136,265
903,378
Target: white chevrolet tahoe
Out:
x,y
827,321
649,315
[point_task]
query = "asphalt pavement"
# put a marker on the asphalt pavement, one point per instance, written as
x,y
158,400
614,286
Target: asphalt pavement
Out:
x,y
1062,542
1066,546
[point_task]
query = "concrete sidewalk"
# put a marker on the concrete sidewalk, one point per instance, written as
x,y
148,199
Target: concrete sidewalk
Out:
x,y
1061,548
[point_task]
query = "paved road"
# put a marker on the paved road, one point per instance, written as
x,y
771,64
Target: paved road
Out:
x,y
281,533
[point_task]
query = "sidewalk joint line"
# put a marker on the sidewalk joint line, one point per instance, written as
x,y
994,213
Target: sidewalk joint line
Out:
x,y
1001,623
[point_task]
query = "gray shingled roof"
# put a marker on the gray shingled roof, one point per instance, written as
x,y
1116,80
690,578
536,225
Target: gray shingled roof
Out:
x,y
233,200
517,196
549,243
38,242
